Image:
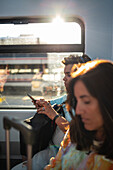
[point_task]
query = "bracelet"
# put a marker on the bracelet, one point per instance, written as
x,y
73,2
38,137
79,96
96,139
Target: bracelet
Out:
x,y
56,118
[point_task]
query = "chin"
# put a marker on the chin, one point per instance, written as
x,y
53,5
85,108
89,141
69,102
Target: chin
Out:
x,y
89,128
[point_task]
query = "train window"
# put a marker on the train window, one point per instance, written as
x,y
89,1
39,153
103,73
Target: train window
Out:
x,y
41,33
31,51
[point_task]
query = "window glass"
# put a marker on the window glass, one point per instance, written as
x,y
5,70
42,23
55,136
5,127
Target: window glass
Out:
x,y
40,33
41,76
30,59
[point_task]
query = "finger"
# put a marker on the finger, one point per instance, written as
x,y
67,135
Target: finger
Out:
x,y
39,109
41,112
43,109
34,102
46,103
42,100
39,103
37,106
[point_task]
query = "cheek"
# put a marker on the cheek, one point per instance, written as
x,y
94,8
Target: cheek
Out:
x,y
100,120
97,119
69,79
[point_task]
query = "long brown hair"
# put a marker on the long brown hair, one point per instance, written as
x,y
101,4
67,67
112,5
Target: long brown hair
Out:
x,y
97,76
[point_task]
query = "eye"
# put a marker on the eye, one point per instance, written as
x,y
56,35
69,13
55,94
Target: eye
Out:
x,y
69,75
87,102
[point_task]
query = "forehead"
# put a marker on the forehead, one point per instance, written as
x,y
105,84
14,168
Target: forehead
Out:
x,y
68,68
80,89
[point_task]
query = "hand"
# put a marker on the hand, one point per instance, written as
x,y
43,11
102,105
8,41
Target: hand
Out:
x,y
37,103
46,108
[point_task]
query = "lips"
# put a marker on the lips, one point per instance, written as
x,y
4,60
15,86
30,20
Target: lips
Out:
x,y
65,84
84,120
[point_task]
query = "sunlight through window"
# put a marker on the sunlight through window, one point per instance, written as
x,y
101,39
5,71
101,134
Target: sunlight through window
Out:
x,y
56,32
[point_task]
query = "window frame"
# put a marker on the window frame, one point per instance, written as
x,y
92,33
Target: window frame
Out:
x,y
45,48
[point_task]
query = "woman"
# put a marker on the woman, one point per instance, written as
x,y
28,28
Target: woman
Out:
x,y
91,129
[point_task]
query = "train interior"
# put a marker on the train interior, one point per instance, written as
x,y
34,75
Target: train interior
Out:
x,y
35,36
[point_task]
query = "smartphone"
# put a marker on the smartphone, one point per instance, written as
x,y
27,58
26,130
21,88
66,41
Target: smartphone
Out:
x,y
32,98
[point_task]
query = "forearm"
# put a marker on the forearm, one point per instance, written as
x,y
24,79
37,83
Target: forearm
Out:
x,y
62,123
60,120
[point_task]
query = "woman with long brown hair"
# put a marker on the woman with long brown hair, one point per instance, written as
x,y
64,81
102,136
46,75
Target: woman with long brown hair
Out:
x,y
91,129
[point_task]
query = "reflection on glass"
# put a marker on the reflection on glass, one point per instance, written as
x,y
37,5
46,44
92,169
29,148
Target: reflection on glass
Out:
x,y
41,77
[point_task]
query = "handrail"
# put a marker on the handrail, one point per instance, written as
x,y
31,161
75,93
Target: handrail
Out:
x,y
27,132
25,129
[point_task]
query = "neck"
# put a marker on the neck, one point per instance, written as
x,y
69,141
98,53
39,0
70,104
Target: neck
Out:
x,y
100,134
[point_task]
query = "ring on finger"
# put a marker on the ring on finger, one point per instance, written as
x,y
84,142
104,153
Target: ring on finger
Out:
x,y
43,109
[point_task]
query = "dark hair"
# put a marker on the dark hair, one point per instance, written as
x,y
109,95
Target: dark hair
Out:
x,y
97,76
72,59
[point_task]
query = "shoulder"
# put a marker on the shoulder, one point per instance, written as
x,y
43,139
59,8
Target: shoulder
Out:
x,y
59,100
96,161
72,158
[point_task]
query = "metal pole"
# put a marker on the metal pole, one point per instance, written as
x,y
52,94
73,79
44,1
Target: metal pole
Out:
x,y
8,149
29,154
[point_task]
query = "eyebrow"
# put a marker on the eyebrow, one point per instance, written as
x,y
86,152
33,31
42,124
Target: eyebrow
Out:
x,y
83,96
67,72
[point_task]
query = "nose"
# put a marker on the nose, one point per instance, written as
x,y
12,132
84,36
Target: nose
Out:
x,y
78,109
64,79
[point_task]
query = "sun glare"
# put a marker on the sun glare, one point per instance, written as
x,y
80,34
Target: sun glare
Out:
x,y
60,32
58,20
56,32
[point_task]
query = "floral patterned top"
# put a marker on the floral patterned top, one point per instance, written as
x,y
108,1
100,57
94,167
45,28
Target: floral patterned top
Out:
x,y
69,158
